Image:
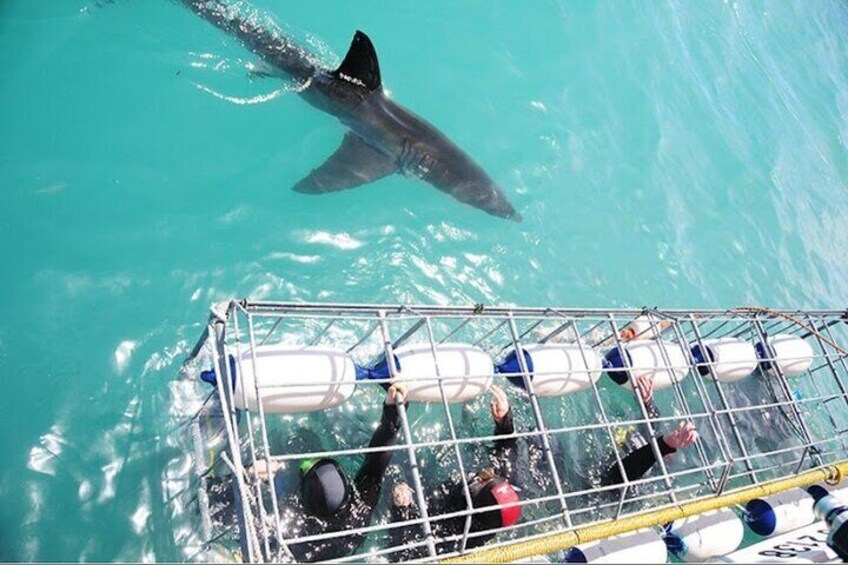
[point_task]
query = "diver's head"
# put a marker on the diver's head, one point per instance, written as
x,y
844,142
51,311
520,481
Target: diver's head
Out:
x,y
324,486
488,489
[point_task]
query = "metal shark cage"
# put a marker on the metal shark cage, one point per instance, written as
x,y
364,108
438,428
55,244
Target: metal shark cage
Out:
x,y
803,415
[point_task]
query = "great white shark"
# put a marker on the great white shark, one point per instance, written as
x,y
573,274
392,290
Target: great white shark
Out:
x,y
383,137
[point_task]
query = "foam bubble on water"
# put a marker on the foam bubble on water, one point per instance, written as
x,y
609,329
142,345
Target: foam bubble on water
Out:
x,y
138,519
496,276
43,457
196,294
428,270
35,497
448,263
243,101
123,354
160,360
110,472
539,106
445,231
235,215
84,491
303,259
341,240
474,259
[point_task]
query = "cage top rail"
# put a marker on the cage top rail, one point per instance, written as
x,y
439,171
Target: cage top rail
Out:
x,y
261,306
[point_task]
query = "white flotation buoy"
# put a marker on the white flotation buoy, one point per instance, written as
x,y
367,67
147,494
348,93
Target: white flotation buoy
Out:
x,y
792,355
641,546
556,369
705,536
780,513
291,378
465,371
731,359
646,358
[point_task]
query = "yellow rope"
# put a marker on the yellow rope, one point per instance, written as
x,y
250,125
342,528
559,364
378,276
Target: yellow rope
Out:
x,y
830,474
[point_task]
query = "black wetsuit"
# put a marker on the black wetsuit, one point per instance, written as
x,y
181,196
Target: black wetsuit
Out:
x,y
636,463
365,493
296,521
448,498
509,463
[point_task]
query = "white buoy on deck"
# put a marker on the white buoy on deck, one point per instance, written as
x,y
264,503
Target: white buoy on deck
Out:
x,y
641,546
778,514
702,537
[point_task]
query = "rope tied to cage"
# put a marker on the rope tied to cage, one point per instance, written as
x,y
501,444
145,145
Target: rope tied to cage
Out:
x,y
794,320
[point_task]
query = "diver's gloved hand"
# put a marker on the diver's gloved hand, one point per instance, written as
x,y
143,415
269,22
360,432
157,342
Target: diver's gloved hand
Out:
x,y
499,404
681,438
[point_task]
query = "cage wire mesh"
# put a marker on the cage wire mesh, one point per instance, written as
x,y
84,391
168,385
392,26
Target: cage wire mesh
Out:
x,y
249,438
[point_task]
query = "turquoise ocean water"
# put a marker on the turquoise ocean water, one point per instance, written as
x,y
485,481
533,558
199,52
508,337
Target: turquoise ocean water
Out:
x,y
681,154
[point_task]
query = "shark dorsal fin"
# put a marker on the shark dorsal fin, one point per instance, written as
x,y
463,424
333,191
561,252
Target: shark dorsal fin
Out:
x,y
360,65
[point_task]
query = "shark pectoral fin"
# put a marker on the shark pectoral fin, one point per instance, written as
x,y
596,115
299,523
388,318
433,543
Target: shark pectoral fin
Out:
x,y
360,65
354,163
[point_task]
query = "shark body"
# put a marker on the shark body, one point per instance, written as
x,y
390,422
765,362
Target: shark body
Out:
x,y
383,137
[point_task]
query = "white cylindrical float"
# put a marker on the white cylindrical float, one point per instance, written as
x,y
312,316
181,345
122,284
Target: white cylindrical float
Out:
x,y
555,369
291,378
705,536
731,359
646,358
780,513
641,546
792,355
464,370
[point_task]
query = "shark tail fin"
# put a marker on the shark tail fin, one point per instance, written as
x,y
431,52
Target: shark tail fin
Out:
x,y
360,65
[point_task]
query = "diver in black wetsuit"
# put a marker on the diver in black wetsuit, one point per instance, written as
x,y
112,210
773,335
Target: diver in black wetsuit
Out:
x,y
487,488
328,501
640,460
493,486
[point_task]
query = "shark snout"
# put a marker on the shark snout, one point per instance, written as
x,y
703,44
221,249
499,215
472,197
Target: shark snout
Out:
x,y
499,206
